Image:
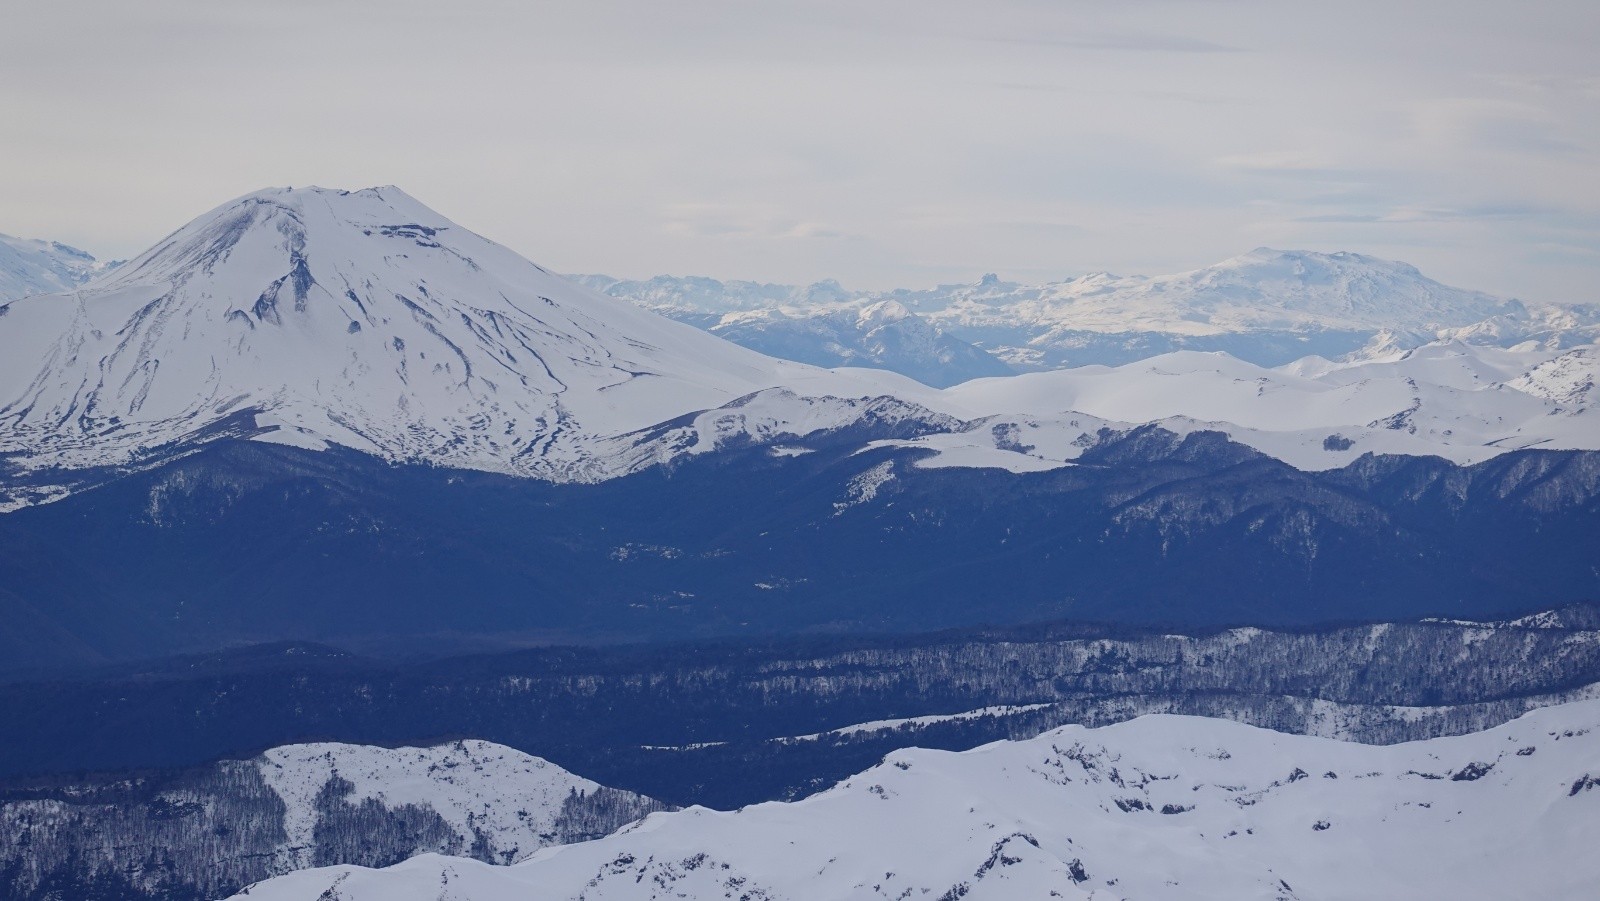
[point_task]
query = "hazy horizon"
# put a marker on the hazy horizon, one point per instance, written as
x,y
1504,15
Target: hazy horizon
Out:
x,y
897,145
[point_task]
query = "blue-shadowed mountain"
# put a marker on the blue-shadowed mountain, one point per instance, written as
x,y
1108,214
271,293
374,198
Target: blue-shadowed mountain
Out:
x,y
818,324
1267,306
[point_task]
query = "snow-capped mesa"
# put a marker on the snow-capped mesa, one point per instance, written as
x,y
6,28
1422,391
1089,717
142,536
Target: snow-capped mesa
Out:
x,y
311,316
1162,807
29,267
1267,306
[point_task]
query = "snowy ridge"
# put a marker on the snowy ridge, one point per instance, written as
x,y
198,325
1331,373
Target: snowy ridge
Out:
x,y
1568,380
1159,807
503,803
812,325
1462,402
1434,400
697,294
881,335
29,267
913,722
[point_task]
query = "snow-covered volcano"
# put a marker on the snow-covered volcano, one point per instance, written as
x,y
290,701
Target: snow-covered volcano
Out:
x,y
361,318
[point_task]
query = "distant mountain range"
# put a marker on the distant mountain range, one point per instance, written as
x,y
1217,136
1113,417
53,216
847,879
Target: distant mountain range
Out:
x,y
1267,307
43,267
821,324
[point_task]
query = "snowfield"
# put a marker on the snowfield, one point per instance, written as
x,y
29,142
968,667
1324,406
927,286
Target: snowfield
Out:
x,y
1159,807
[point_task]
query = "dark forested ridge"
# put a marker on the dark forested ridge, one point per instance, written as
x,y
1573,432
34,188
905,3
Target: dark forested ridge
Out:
x,y
701,633
208,831
242,543
605,713
721,724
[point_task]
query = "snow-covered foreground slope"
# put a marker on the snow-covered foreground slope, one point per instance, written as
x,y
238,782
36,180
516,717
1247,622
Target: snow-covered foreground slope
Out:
x,y
363,319
42,267
1160,807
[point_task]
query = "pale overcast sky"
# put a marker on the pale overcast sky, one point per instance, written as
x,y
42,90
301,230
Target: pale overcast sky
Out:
x,y
880,143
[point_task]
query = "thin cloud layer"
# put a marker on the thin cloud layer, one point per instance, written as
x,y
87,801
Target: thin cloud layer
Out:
x,y
882,144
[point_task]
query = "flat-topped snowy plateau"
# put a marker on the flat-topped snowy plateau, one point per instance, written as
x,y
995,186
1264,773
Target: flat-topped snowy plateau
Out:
x,y
363,319
1159,807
